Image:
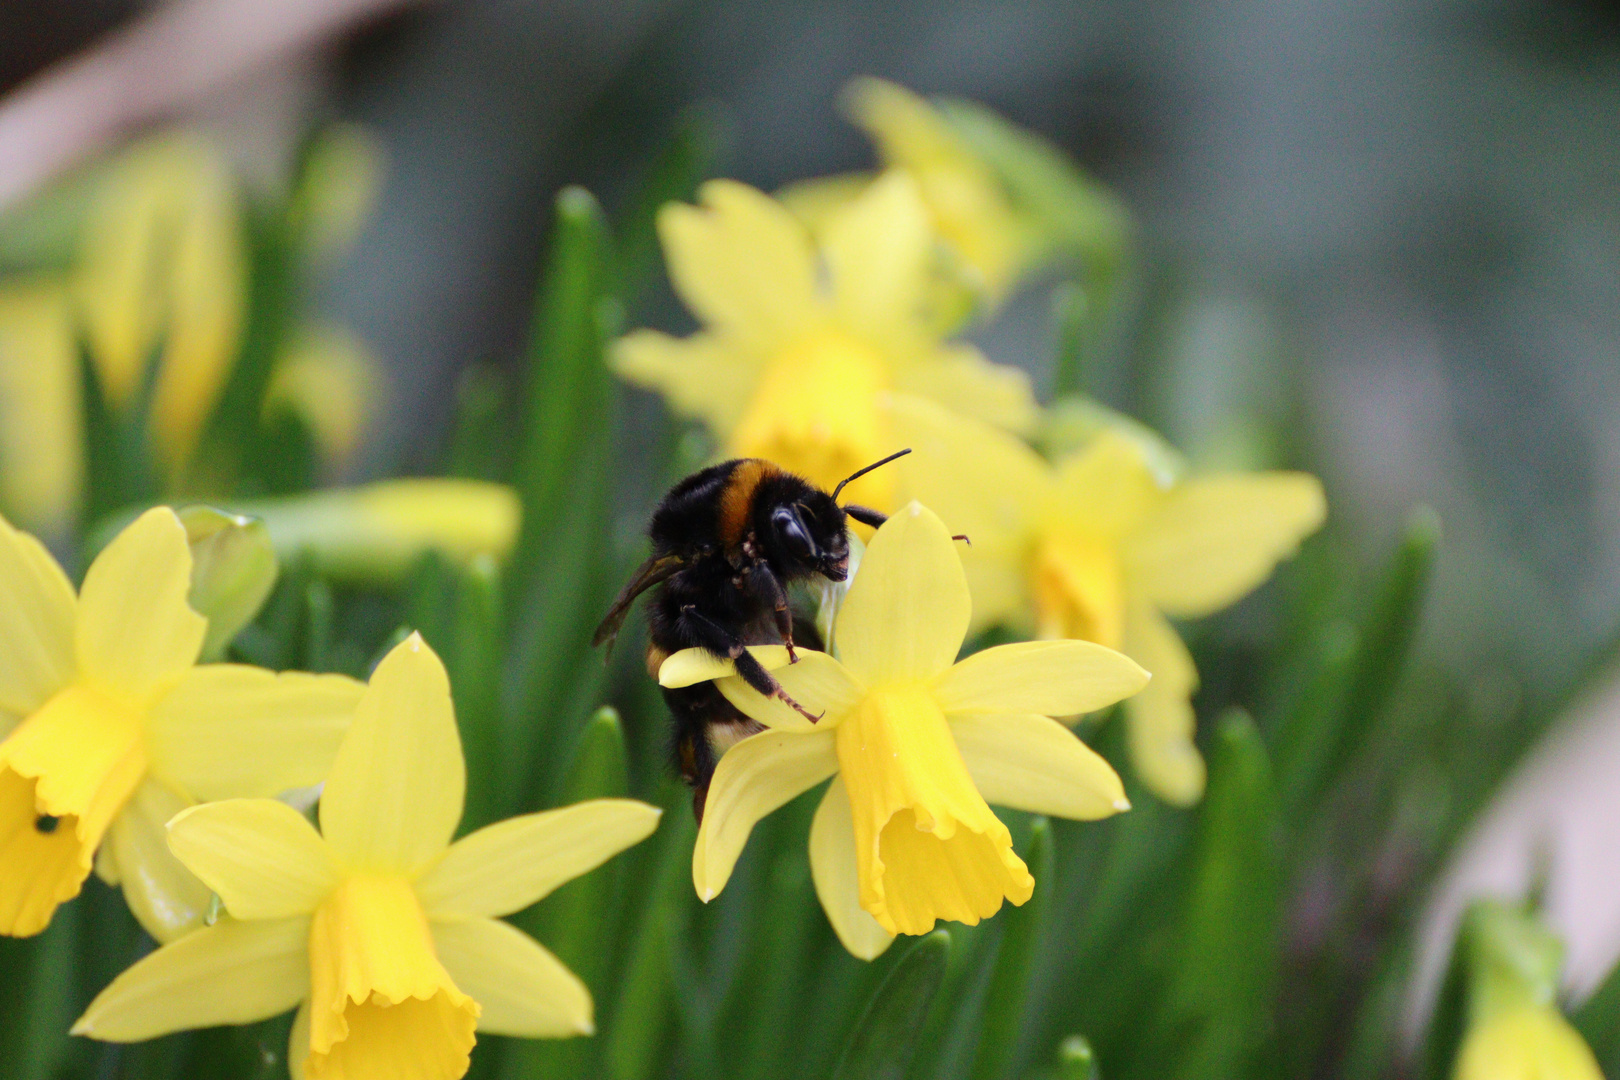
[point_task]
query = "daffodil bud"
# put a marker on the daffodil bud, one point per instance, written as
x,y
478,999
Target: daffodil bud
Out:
x,y
233,569
378,532
342,174
1515,1030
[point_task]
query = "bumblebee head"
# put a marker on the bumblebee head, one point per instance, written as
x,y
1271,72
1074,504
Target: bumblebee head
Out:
x,y
807,536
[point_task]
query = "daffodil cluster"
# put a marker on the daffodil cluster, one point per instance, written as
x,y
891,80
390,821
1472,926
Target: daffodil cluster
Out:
x,y
827,316
120,752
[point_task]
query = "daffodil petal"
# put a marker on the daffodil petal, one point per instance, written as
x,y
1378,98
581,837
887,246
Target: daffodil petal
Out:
x,y
962,380
229,973
877,248
1056,678
298,1043
36,622
395,793
692,666
908,608
755,777
1025,761
509,865
1160,720
818,682
136,634
740,261
837,878
166,898
1213,539
263,858
1109,486
230,730
42,447
522,988
700,376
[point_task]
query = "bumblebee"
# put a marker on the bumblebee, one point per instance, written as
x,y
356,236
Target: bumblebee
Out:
x,y
727,544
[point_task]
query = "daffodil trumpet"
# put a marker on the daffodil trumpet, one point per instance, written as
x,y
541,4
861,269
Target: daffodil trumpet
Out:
x,y
108,727
383,933
917,746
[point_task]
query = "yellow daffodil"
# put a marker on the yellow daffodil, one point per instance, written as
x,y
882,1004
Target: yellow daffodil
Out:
x,y
800,342
110,730
1103,546
384,933
379,531
329,379
41,433
918,745
163,261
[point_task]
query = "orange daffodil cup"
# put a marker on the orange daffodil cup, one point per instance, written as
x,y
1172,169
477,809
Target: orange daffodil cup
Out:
x,y
803,338
917,745
385,934
1102,545
108,727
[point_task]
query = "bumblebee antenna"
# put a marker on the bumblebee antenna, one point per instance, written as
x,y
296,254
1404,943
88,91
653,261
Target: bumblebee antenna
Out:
x,y
858,473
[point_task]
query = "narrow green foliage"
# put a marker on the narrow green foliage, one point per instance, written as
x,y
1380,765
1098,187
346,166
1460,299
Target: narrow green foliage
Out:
x,y
1319,741
1217,1012
686,160
576,922
1598,1021
885,1038
38,998
473,657
1071,311
1023,930
633,1043
480,443
119,471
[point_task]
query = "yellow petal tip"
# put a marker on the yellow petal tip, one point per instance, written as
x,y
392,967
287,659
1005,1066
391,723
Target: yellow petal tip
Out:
x,y
1122,805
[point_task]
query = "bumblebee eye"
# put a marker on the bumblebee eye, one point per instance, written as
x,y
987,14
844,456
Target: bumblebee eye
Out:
x,y
792,534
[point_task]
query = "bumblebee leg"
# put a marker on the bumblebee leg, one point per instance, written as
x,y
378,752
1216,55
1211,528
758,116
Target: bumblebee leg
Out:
x,y
763,584
865,515
717,639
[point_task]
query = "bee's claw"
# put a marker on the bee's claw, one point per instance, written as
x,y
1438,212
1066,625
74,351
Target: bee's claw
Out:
x,y
793,656
964,538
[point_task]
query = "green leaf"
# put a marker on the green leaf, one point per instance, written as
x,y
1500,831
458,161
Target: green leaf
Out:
x,y
37,995
1023,929
634,1041
1317,741
885,1038
1217,1012
686,160
1598,1021
474,653
576,921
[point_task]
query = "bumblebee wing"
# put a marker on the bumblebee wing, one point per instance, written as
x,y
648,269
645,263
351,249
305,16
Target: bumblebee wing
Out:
x,y
656,569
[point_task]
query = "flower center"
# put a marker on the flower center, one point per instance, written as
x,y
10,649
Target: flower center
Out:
x,y
65,774
1079,590
815,412
927,847
382,1007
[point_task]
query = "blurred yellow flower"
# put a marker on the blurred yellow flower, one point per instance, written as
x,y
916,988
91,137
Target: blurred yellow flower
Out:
x,y
799,343
329,379
110,730
163,262
378,532
917,745
41,432
1527,1043
966,201
1102,546
385,934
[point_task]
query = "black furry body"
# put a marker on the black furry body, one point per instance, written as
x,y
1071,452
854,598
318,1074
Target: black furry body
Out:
x,y
728,543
